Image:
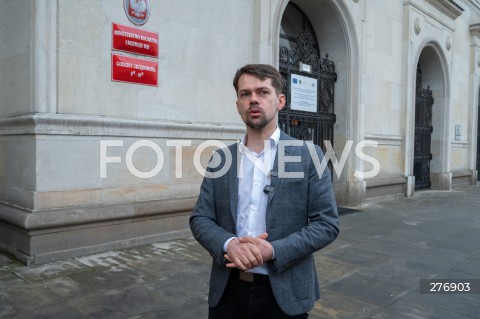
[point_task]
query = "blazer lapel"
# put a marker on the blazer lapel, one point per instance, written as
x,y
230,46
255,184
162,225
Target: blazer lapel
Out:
x,y
233,183
274,175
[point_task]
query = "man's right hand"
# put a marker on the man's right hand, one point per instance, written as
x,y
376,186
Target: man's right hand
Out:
x,y
243,255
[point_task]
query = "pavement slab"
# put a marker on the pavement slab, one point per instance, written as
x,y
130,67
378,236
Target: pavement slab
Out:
x,y
372,270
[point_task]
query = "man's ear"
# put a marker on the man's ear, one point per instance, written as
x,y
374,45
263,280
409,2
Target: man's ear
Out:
x,y
281,101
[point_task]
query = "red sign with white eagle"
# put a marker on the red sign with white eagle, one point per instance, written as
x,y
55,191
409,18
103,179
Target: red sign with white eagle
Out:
x,y
134,70
134,40
137,11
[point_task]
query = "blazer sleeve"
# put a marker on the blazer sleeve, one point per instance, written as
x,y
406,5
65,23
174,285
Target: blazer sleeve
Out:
x,y
208,227
322,226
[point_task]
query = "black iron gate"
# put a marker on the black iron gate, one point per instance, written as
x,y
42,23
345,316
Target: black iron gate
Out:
x,y
423,134
300,55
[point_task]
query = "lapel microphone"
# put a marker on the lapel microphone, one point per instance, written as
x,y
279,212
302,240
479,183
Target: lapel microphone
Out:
x,y
268,189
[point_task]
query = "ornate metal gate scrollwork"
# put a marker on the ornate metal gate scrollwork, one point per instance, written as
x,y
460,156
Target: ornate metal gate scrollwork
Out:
x,y
423,134
298,46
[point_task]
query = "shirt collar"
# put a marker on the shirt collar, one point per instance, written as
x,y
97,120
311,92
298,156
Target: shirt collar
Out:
x,y
274,138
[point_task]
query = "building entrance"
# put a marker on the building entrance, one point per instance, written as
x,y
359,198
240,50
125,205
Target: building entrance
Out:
x,y
423,134
309,81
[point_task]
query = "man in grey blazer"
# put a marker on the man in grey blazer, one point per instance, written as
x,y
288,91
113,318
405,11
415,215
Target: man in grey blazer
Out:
x,y
266,205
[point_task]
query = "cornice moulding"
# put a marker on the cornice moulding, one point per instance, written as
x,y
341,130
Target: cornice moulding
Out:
x,y
424,8
475,30
448,7
474,5
76,125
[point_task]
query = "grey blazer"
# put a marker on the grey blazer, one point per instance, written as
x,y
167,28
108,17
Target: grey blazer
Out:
x,y
301,218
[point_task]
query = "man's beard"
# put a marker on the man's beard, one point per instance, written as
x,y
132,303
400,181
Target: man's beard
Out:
x,y
259,125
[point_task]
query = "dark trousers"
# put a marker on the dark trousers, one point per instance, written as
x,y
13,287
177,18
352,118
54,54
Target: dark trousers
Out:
x,y
249,300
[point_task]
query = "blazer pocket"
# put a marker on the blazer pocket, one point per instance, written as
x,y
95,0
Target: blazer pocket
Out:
x,y
302,280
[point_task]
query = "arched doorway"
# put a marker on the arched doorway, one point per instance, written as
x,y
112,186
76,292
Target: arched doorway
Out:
x,y
432,121
422,154
335,33
309,81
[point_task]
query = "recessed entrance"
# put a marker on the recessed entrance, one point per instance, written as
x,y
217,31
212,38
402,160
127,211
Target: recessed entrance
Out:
x,y
309,81
422,154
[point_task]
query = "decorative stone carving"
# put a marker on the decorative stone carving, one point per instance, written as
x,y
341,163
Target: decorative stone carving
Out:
x,y
448,43
475,35
416,27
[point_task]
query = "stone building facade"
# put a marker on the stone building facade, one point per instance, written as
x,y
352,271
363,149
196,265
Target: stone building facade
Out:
x,y
89,164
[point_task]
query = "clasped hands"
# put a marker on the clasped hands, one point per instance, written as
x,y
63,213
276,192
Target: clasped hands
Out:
x,y
248,252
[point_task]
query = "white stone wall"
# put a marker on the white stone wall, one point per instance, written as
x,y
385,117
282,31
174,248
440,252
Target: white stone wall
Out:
x,y
201,44
15,64
381,83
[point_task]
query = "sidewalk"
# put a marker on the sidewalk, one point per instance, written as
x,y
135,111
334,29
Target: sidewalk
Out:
x,y
372,270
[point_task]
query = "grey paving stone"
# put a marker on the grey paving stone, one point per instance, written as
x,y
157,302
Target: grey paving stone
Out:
x,y
397,274
415,265
117,303
371,271
338,244
330,270
188,310
390,246
463,241
371,290
5,261
29,297
335,305
470,265
454,274
179,286
66,287
357,256
6,310
458,304
166,266
58,311
42,273
108,278
361,233
406,309
9,280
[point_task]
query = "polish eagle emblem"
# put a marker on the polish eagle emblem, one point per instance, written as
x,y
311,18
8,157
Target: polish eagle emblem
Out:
x,y
137,11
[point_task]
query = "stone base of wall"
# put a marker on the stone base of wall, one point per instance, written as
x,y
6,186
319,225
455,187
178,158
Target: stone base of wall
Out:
x,y
34,238
389,187
464,178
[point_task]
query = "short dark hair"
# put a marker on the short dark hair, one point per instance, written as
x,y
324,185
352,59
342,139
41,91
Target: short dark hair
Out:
x,y
263,72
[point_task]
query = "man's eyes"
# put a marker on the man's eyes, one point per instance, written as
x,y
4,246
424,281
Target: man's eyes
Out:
x,y
262,93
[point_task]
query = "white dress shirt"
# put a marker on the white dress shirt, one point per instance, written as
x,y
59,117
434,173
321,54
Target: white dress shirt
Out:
x,y
253,176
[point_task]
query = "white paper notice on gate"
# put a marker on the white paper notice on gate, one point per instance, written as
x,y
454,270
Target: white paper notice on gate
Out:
x,y
303,93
